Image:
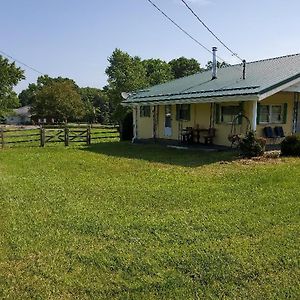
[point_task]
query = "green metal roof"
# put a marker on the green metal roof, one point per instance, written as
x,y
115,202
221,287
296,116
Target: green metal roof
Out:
x,y
261,76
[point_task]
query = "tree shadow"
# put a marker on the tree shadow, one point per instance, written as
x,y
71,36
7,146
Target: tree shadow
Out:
x,y
161,154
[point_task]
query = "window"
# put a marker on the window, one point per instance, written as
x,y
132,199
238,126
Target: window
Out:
x,y
144,111
276,114
228,113
271,113
264,114
183,112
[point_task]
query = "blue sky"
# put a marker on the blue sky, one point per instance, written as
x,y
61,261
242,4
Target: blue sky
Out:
x,y
74,38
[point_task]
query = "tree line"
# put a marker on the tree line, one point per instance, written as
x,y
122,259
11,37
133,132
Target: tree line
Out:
x,y
63,100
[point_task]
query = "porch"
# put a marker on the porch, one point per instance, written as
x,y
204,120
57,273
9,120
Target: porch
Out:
x,y
214,122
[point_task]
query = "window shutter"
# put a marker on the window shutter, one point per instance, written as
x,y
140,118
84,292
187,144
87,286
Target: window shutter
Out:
x,y
217,113
284,113
188,115
258,114
177,112
141,111
241,111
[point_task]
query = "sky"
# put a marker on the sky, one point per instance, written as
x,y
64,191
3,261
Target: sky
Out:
x,y
74,38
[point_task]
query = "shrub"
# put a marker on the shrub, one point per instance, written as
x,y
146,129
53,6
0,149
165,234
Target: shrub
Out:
x,y
290,146
250,146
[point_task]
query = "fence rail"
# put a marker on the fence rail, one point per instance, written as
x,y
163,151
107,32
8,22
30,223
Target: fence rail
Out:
x,y
66,135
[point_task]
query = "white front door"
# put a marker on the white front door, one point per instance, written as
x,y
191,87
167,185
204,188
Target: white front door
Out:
x,y
168,120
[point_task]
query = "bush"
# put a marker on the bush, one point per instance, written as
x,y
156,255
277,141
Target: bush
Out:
x,y
250,146
290,146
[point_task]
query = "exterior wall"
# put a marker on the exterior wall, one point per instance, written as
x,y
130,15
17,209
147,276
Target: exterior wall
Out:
x,y
144,126
280,98
200,117
17,120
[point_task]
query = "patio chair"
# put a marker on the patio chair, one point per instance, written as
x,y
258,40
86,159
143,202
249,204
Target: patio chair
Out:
x,y
209,137
187,135
269,133
278,130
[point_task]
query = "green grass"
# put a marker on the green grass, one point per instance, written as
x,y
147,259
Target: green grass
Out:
x,y
121,221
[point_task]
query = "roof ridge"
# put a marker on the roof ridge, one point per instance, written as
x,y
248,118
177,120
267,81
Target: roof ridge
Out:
x,y
272,58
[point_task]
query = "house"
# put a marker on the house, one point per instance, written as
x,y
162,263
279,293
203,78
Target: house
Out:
x,y
257,95
20,116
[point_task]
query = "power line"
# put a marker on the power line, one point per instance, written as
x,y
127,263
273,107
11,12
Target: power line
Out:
x,y
183,30
198,18
20,62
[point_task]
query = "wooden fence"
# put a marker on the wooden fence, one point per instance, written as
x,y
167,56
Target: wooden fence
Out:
x,y
44,135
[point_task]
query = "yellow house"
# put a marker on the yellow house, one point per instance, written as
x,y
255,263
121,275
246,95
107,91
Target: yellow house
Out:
x,y
257,95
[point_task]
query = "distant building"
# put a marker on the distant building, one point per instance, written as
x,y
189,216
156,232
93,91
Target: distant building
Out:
x,y
20,116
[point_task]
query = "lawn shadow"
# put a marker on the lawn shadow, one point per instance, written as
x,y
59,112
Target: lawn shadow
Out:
x,y
161,153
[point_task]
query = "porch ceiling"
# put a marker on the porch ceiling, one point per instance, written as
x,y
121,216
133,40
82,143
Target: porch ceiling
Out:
x,y
294,88
197,100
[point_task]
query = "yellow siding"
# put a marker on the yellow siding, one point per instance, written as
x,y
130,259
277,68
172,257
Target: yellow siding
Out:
x,y
280,98
144,126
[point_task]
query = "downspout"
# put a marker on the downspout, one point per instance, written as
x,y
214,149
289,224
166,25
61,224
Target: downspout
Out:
x,y
135,127
296,107
154,120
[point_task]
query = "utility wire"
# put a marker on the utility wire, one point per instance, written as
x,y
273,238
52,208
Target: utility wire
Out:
x,y
20,62
198,18
183,30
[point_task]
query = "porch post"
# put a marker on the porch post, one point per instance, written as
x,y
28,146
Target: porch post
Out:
x,y
134,114
154,121
254,115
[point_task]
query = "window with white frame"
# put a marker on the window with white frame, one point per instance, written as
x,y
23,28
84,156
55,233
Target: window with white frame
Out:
x,y
144,111
273,114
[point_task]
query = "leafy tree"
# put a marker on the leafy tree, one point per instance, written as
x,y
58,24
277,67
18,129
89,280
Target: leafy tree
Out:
x,y
10,75
27,96
58,100
97,105
219,65
183,66
125,73
157,71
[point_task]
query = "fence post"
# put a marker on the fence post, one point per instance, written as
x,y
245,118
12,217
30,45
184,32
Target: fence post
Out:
x,y
2,137
66,136
42,136
88,135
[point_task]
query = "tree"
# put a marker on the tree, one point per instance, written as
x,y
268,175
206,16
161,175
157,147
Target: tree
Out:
x,y
219,65
157,71
125,74
10,75
27,96
183,66
58,100
97,105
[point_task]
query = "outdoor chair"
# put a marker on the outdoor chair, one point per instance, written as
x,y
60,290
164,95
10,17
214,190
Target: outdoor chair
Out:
x,y
269,133
187,135
209,137
278,130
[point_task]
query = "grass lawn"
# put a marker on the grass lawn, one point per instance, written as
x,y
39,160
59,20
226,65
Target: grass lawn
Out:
x,y
122,221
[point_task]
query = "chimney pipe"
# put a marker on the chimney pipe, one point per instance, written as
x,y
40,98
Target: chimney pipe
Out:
x,y
244,69
214,63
